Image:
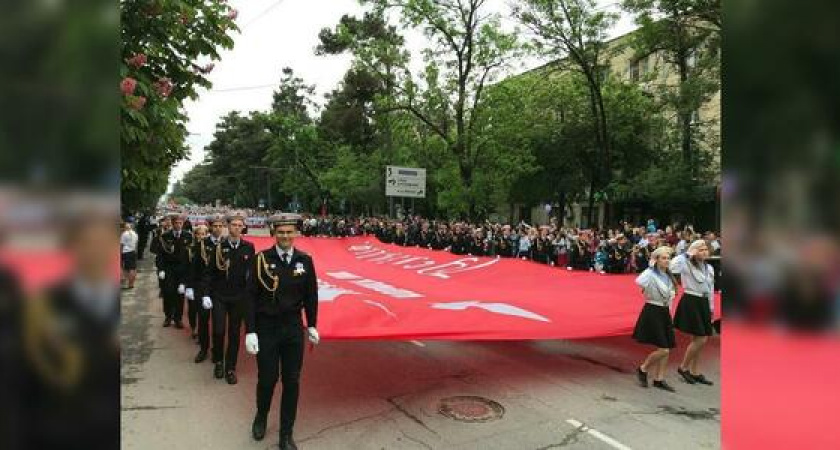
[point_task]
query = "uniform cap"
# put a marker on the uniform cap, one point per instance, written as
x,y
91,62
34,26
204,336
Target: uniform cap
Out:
x,y
285,219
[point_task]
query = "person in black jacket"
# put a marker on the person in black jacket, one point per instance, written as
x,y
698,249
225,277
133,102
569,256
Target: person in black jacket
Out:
x,y
163,226
194,279
283,284
204,255
225,284
175,252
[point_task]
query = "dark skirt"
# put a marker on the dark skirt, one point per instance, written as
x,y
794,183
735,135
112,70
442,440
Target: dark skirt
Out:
x,y
694,316
129,261
655,327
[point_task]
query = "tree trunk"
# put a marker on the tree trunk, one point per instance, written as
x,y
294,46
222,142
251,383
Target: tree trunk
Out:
x,y
685,116
591,202
561,209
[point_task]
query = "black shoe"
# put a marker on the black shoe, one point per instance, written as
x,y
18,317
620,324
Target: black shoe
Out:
x,y
642,376
287,443
686,376
179,325
167,322
701,379
663,385
258,428
201,356
219,370
231,377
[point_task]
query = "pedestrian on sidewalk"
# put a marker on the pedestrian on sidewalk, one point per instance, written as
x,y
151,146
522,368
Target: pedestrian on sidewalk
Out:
x,y
128,255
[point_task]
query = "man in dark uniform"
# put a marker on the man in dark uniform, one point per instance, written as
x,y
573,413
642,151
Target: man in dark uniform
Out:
x,y
144,226
65,389
163,225
283,284
504,243
400,237
618,254
424,236
440,240
175,249
226,283
460,241
205,254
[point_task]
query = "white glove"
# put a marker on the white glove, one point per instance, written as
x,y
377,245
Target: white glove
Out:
x,y
313,335
206,302
252,345
190,294
161,274
181,289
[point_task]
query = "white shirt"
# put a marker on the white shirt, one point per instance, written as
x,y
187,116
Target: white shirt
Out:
x,y
682,246
658,289
280,252
128,241
695,281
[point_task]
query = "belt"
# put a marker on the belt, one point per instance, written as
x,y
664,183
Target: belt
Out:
x,y
696,294
655,303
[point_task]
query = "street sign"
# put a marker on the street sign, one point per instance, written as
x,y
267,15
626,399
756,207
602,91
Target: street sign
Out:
x,y
405,182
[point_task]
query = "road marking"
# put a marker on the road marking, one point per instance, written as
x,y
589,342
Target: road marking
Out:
x,y
597,434
418,343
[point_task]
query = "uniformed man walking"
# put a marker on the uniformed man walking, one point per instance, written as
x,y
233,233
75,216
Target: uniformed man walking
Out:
x,y
175,252
164,225
226,283
205,254
284,284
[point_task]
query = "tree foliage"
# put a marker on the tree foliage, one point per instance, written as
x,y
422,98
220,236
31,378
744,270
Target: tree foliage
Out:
x,y
163,43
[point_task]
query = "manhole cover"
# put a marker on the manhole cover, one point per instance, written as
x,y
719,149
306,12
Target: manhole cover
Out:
x,y
468,408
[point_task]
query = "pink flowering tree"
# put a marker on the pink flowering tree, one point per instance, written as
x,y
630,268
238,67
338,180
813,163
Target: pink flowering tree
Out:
x,y
167,46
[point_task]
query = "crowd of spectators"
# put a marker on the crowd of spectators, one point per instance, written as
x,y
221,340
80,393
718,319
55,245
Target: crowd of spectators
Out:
x,y
620,249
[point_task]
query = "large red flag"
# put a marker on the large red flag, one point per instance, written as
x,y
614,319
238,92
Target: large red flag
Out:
x,y
372,290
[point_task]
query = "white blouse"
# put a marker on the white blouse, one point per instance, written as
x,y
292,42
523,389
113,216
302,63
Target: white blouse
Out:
x,y
657,291
695,281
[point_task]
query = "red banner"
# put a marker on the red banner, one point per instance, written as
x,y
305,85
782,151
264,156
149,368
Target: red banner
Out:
x,y
372,290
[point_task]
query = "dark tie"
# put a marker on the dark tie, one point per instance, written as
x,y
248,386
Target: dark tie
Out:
x,y
285,259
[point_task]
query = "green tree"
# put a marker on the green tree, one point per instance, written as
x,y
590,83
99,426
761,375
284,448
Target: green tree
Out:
x,y
574,34
163,42
686,35
467,51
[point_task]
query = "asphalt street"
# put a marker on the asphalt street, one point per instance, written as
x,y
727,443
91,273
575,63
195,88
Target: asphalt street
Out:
x,y
387,394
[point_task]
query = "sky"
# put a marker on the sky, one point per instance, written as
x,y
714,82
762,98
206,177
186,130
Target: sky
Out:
x,y
284,33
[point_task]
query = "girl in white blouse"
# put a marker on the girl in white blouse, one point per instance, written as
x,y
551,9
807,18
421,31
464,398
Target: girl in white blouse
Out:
x,y
694,312
654,326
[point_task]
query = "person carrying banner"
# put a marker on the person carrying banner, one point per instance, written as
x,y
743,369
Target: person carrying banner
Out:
x,y
226,281
283,284
654,325
175,251
694,313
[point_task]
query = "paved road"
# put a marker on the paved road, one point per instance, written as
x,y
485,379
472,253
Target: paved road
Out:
x,y
385,395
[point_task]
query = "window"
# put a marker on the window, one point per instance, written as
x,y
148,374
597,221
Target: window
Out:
x,y
639,68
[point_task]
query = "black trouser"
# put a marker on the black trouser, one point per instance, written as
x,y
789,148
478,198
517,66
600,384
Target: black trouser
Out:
x,y
193,307
141,247
280,348
173,302
203,325
227,316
